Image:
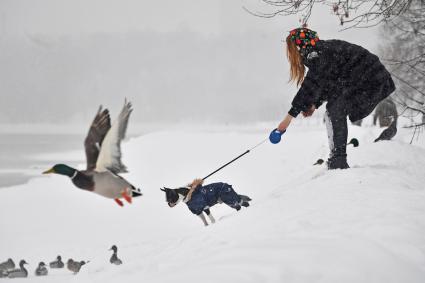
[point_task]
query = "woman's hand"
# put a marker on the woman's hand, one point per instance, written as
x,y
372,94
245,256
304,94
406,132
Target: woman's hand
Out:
x,y
309,112
193,186
285,123
196,183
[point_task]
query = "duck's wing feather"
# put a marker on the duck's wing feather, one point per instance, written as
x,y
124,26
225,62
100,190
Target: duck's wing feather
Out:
x,y
110,152
97,132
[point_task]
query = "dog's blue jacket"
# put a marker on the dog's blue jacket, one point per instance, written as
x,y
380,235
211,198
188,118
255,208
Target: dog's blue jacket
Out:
x,y
209,195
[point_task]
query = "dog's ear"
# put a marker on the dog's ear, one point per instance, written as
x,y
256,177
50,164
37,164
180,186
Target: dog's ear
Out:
x,y
162,189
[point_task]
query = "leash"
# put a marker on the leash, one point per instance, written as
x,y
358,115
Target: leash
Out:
x,y
236,158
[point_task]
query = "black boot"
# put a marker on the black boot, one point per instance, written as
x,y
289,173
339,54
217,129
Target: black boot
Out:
x,y
337,162
336,124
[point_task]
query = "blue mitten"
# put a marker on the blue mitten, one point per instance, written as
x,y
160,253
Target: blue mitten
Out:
x,y
275,136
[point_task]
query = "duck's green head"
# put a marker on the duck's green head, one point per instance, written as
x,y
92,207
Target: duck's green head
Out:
x,y
354,142
61,169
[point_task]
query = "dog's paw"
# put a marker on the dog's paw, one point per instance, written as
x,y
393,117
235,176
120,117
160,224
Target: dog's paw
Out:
x,y
245,204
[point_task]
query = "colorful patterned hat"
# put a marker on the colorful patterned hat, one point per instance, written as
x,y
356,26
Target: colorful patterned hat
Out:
x,y
304,37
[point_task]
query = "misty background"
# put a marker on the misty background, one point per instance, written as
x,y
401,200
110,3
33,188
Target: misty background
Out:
x,y
177,61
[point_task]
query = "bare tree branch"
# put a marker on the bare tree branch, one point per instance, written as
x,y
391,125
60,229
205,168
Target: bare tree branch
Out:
x,y
354,13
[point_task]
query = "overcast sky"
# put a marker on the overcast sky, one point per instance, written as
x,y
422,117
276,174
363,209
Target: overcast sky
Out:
x,y
59,17
55,54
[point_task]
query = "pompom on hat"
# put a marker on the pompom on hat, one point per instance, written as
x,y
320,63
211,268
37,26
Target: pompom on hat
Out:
x,y
304,37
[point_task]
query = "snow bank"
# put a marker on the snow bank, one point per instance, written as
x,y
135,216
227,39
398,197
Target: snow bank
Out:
x,y
305,224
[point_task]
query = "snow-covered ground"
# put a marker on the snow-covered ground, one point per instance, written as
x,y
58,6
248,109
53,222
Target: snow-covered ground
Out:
x,y
305,224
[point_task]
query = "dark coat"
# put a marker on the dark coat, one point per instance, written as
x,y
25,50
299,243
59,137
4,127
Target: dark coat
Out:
x,y
204,197
336,68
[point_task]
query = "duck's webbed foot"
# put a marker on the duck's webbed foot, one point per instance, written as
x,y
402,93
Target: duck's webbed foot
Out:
x,y
119,202
126,196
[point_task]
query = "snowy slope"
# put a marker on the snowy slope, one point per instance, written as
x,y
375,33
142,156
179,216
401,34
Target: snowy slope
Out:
x,y
306,224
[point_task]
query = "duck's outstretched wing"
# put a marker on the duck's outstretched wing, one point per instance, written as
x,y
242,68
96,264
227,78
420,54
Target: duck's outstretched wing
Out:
x,y
97,132
110,152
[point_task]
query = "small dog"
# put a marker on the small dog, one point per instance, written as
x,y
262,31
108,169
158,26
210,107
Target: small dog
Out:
x,y
200,198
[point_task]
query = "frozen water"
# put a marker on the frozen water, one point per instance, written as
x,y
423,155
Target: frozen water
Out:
x,y
25,155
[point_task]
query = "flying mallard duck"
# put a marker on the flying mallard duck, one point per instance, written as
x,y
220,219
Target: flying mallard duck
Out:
x,y
103,153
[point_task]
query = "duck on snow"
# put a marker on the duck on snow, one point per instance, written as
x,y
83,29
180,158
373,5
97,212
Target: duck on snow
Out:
x,y
103,153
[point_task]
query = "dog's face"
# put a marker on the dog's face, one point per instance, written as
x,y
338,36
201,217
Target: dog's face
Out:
x,y
171,196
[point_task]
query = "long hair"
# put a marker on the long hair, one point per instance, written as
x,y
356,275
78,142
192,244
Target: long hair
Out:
x,y
294,57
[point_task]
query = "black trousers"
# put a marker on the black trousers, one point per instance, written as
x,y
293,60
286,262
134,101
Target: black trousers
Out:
x,y
336,125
